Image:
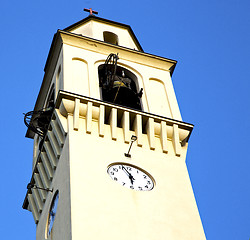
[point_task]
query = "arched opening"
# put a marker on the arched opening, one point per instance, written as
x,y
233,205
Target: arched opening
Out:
x,y
51,98
110,37
119,85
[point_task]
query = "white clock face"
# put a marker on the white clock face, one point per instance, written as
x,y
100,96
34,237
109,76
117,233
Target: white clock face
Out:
x,y
131,176
52,213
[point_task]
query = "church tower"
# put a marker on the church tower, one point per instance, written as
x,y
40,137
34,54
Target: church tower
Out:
x,y
109,141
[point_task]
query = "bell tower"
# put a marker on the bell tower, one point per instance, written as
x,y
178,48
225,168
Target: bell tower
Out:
x,y
109,141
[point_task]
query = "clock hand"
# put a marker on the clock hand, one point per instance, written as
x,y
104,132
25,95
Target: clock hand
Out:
x,y
131,179
125,170
130,176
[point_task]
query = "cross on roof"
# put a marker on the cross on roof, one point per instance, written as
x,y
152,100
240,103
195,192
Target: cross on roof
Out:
x,y
91,11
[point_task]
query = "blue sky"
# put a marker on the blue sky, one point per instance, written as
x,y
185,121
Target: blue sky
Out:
x,y
211,42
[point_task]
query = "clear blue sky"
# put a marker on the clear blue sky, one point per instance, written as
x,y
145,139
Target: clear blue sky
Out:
x,y
211,42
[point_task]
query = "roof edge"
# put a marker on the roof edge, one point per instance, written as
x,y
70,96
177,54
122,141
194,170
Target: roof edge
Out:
x,y
92,17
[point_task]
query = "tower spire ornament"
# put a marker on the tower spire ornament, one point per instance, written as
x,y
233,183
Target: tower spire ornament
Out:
x,y
91,11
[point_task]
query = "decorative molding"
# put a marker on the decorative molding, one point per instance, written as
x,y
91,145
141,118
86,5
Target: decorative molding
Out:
x,y
144,125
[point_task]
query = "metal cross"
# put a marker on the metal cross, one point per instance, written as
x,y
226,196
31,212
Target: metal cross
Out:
x,y
91,11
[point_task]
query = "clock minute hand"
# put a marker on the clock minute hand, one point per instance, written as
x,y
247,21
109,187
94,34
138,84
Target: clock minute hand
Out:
x,y
125,170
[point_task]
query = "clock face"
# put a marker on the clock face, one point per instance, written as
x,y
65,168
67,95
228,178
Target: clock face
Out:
x,y
131,176
52,213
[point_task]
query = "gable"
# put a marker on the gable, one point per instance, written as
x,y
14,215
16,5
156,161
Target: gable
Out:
x,y
106,30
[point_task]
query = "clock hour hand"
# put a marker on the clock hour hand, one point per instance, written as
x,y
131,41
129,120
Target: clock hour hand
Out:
x,y
131,179
129,175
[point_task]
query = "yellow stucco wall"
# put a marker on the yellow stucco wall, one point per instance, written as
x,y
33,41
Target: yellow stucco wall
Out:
x,y
91,205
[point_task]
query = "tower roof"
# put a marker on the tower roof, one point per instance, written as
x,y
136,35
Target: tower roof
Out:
x,y
105,22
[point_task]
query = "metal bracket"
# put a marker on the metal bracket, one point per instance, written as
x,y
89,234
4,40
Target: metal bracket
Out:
x,y
133,138
31,185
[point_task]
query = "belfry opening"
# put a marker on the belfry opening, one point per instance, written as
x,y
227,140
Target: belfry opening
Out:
x,y
118,84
